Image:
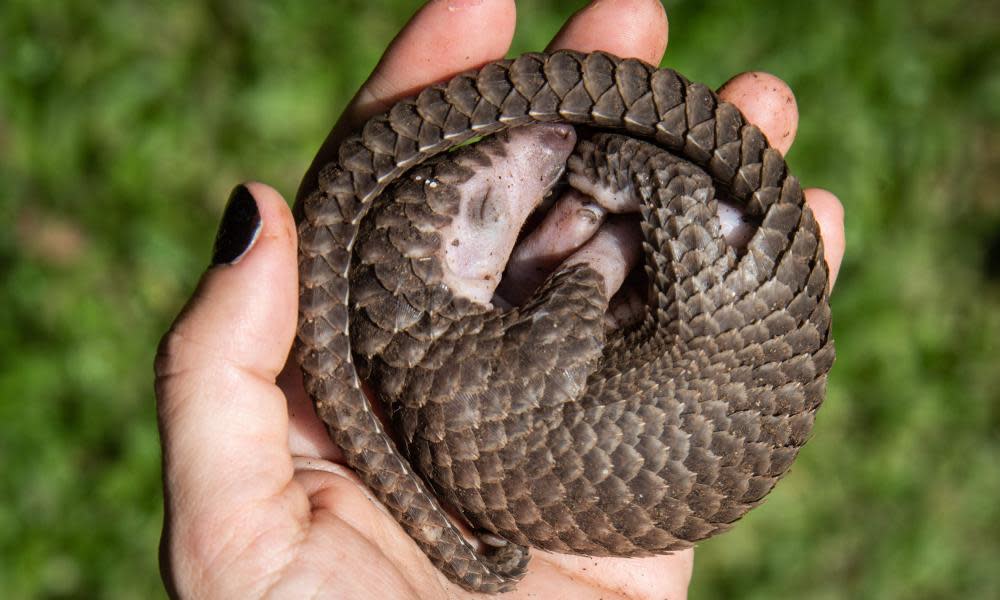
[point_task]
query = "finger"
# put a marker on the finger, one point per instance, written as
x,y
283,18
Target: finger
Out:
x,y
569,223
612,252
767,102
223,421
444,38
626,28
829,213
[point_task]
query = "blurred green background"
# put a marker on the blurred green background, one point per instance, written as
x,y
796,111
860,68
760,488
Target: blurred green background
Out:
x,y
123,127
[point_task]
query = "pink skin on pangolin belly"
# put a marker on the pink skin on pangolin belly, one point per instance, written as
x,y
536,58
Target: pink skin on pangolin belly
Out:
x,y
571,221
497,201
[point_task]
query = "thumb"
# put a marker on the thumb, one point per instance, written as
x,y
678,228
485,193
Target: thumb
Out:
x,y
223,422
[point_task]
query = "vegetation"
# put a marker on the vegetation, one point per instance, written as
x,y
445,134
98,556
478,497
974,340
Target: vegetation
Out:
x,y
123,126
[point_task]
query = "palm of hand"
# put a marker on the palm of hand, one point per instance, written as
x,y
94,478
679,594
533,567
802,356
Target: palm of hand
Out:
x,y
325,534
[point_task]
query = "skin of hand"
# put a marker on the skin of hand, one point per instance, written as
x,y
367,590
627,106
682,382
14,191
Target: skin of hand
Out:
x,y
257,500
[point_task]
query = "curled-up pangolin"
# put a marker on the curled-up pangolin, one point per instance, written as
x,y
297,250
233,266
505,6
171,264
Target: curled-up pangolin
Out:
x,y
540,416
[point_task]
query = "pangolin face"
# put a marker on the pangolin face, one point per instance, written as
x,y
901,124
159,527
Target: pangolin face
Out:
x,y
496,200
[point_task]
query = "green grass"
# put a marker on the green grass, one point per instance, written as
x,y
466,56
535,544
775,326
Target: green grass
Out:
x,y
123,127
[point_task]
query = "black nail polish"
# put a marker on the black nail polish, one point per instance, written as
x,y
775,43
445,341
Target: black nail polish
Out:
x,y
238,229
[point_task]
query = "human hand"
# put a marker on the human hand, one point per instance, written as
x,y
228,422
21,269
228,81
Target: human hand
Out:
x,y
257,500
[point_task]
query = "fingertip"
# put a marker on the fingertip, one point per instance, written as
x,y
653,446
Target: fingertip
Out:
x,y
625,28
244,310
666,29
443,38
279,224
829,213
767,102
